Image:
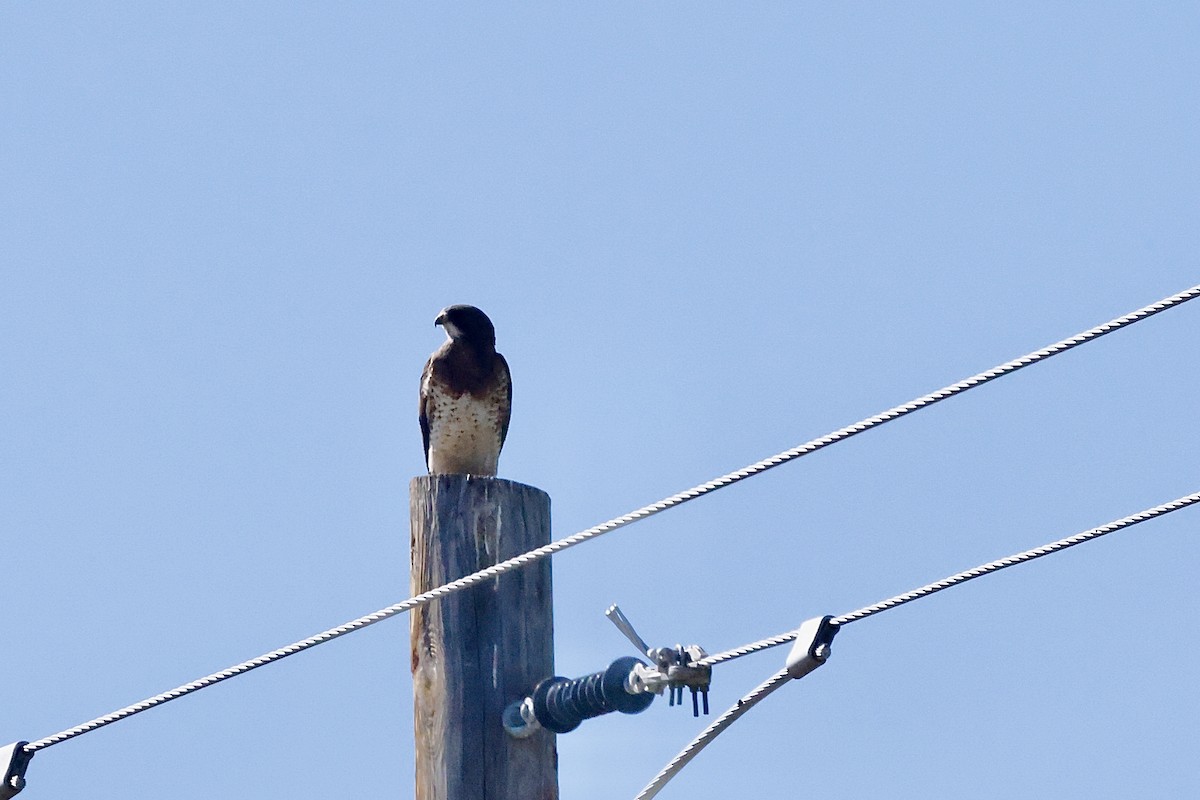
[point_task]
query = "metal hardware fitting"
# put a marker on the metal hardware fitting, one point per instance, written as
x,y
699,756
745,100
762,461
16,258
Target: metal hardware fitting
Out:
x,y
811,650
519,719
673,667
14,760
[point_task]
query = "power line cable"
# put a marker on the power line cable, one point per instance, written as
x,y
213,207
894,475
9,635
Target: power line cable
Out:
x,y
718,725
626,519
964,576
675,765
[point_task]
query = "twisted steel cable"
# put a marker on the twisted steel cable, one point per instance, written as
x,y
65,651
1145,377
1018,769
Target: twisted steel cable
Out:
x,y
779,678
964,576
626,519
711,732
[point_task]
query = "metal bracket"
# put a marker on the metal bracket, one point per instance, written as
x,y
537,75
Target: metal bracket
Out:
x,y
13,760
811,649
672,670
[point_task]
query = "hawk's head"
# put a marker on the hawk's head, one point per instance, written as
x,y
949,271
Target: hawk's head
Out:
x,y
468,324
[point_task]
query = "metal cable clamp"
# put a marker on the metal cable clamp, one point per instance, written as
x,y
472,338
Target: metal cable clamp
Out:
x,y
672,668
811,650
13,760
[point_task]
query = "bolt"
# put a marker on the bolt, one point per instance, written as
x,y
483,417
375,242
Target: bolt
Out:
x,y
515,722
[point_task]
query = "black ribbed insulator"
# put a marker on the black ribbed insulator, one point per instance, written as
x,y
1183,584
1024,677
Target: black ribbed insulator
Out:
x,y
561,704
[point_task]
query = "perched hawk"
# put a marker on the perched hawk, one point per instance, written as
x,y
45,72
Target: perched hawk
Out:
x,y
466,396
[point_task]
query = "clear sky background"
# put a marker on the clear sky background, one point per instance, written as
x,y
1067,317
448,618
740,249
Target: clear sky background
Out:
x,y
706,233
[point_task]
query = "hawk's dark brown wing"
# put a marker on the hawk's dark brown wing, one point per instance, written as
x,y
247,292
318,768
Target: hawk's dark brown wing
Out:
x,y
423,408
502,369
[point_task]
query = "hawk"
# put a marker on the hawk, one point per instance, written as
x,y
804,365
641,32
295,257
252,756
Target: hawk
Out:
x,y
466,396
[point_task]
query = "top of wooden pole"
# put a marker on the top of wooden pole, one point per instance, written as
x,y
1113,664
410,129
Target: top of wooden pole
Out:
x,y
476,651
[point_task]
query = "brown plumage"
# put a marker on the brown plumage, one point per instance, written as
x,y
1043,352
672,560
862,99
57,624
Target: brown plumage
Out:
x,y
466,396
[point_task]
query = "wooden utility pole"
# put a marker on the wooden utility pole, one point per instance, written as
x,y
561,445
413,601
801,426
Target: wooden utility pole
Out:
x,y
476,651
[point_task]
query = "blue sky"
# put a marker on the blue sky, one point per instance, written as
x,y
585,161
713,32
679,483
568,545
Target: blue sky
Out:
x,y
705,233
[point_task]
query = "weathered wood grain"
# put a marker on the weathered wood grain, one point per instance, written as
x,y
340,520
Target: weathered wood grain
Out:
x,y
476,651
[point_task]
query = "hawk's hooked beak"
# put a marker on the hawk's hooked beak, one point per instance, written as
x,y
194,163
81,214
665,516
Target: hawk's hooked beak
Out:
x,y
441,319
